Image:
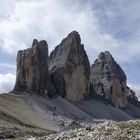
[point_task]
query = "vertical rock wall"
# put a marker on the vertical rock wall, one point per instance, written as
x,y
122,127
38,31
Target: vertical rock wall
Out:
x,y
32,70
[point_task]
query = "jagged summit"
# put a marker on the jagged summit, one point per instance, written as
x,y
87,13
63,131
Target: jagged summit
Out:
x,y
67,76
105,56
70,44
41,43
74,34
106,59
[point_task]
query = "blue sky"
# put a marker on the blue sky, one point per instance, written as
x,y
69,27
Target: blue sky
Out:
x,y
112,25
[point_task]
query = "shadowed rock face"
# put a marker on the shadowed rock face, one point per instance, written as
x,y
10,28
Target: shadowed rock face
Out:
x,y
108,80
70,69
32,70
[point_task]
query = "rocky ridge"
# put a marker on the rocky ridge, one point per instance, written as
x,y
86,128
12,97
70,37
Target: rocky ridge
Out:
x,y
67,73
79,94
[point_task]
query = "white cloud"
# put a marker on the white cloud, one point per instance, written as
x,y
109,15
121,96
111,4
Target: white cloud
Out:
x,y
7,82
6,7
53,20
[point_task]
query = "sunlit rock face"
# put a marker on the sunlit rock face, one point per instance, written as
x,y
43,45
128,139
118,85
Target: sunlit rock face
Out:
x,y
70,69
108,80
32,70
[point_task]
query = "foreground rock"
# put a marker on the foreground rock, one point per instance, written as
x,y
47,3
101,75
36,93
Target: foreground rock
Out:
x,y
70,69
32,70
108,81
22,132
104,131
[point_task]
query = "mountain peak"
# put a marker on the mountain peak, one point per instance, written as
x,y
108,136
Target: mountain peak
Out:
x,y
32,70
72,38
74,33
35,42
70,68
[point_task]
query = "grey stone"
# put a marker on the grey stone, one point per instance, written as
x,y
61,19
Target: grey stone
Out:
x,y
70,69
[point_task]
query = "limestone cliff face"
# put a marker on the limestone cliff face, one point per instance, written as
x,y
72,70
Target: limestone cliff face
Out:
x,y
108,80
67,73
32,70
70,69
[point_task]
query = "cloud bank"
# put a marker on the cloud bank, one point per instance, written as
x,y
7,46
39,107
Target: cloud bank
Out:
x,y
7,82
53,20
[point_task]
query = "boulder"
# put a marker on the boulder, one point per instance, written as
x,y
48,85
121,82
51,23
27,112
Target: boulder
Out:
x,y
32,70
70,69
